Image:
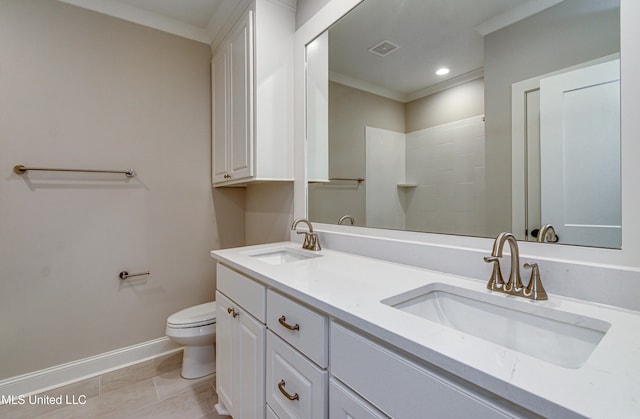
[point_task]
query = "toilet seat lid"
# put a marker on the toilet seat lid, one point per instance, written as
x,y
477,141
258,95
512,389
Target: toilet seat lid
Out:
x,y
200,315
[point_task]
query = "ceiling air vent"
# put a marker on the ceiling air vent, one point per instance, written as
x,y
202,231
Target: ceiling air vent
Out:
x,y
383,48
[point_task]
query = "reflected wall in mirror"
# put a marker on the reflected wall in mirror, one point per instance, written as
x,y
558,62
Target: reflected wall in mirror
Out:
x,y
523,131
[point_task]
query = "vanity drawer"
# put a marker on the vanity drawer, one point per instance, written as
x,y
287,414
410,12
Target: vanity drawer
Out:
x,y
399,386
295,387
302,327
246,292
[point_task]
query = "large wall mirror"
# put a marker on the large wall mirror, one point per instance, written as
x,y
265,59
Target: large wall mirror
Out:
x,y
523,131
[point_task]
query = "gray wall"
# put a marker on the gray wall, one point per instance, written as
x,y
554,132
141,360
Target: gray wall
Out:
x,y
269,212
450,105
521,51
84,90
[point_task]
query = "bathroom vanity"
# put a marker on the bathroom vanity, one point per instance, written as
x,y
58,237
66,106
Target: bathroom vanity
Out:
x,y
344,335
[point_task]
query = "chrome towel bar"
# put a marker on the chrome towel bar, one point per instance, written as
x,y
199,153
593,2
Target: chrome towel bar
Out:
x,y
21,170
345,178
126,275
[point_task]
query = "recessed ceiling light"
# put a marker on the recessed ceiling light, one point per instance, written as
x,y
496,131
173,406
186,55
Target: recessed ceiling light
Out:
x,y
442,71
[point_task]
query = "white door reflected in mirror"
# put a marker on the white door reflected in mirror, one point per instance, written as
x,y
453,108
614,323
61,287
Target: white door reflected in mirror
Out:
x,y
580,155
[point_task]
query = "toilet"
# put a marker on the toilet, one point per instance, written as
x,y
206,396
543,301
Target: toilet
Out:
x,y
195,329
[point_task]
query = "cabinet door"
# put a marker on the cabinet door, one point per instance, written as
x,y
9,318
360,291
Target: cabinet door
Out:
x,y
250,374
271,414
224,351
240,48
345,404
240,354
219,94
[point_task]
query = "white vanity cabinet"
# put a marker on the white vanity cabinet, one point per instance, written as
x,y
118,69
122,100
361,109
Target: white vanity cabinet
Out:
x,y
297,358
403,388
252,97
240,344
279,358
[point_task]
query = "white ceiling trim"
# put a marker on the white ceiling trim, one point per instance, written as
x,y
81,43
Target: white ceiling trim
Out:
x,y
224,18
478,73
367,87
145,18
228,13
514,15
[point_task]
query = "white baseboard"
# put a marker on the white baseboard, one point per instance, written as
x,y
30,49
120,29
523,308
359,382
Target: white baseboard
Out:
x,y
46,379
221,409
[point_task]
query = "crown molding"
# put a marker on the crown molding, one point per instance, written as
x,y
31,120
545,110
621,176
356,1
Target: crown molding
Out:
x,y
405,98
514,15
365,86
144,17
478,73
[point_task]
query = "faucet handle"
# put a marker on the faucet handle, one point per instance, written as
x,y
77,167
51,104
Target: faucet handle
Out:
x,y
495,281
307,240
534,290
314,243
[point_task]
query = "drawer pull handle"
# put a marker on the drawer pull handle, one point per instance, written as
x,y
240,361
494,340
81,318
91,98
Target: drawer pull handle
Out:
x,y
287,395
233,312
283,321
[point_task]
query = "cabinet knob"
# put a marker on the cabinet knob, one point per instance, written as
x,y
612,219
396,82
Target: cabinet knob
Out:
x,y
227,176
283,321
233,312
281,385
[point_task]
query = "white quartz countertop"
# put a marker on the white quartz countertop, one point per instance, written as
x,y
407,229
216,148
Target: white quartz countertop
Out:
x,y
350,288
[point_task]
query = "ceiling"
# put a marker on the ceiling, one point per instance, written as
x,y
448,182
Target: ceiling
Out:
x,y
430,34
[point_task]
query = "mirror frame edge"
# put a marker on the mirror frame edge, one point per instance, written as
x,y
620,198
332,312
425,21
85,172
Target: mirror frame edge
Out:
x,y
626,257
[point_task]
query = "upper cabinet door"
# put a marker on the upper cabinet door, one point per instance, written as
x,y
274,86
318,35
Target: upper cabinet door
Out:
x,y
219,93
241,99
252,101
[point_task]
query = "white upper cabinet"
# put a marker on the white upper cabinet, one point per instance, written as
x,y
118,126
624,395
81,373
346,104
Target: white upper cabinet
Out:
x,y
252,97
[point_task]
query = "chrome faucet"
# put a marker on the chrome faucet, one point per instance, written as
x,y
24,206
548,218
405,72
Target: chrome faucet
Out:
x,y
345,218
514,286
547,233
311,241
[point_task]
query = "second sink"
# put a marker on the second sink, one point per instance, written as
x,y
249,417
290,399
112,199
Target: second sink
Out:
x,y
563,338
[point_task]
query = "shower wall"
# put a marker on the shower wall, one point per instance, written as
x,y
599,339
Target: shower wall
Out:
x,y
446,165
429,180
353,111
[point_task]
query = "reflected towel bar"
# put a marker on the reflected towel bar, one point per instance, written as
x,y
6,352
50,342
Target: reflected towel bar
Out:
x,y
344,178
21,170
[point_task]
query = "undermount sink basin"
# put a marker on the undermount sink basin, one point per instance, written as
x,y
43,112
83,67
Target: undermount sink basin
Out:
x,y
562,338
282,255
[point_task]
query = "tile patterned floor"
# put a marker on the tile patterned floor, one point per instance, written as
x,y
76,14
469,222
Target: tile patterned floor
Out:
x,y
151,389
